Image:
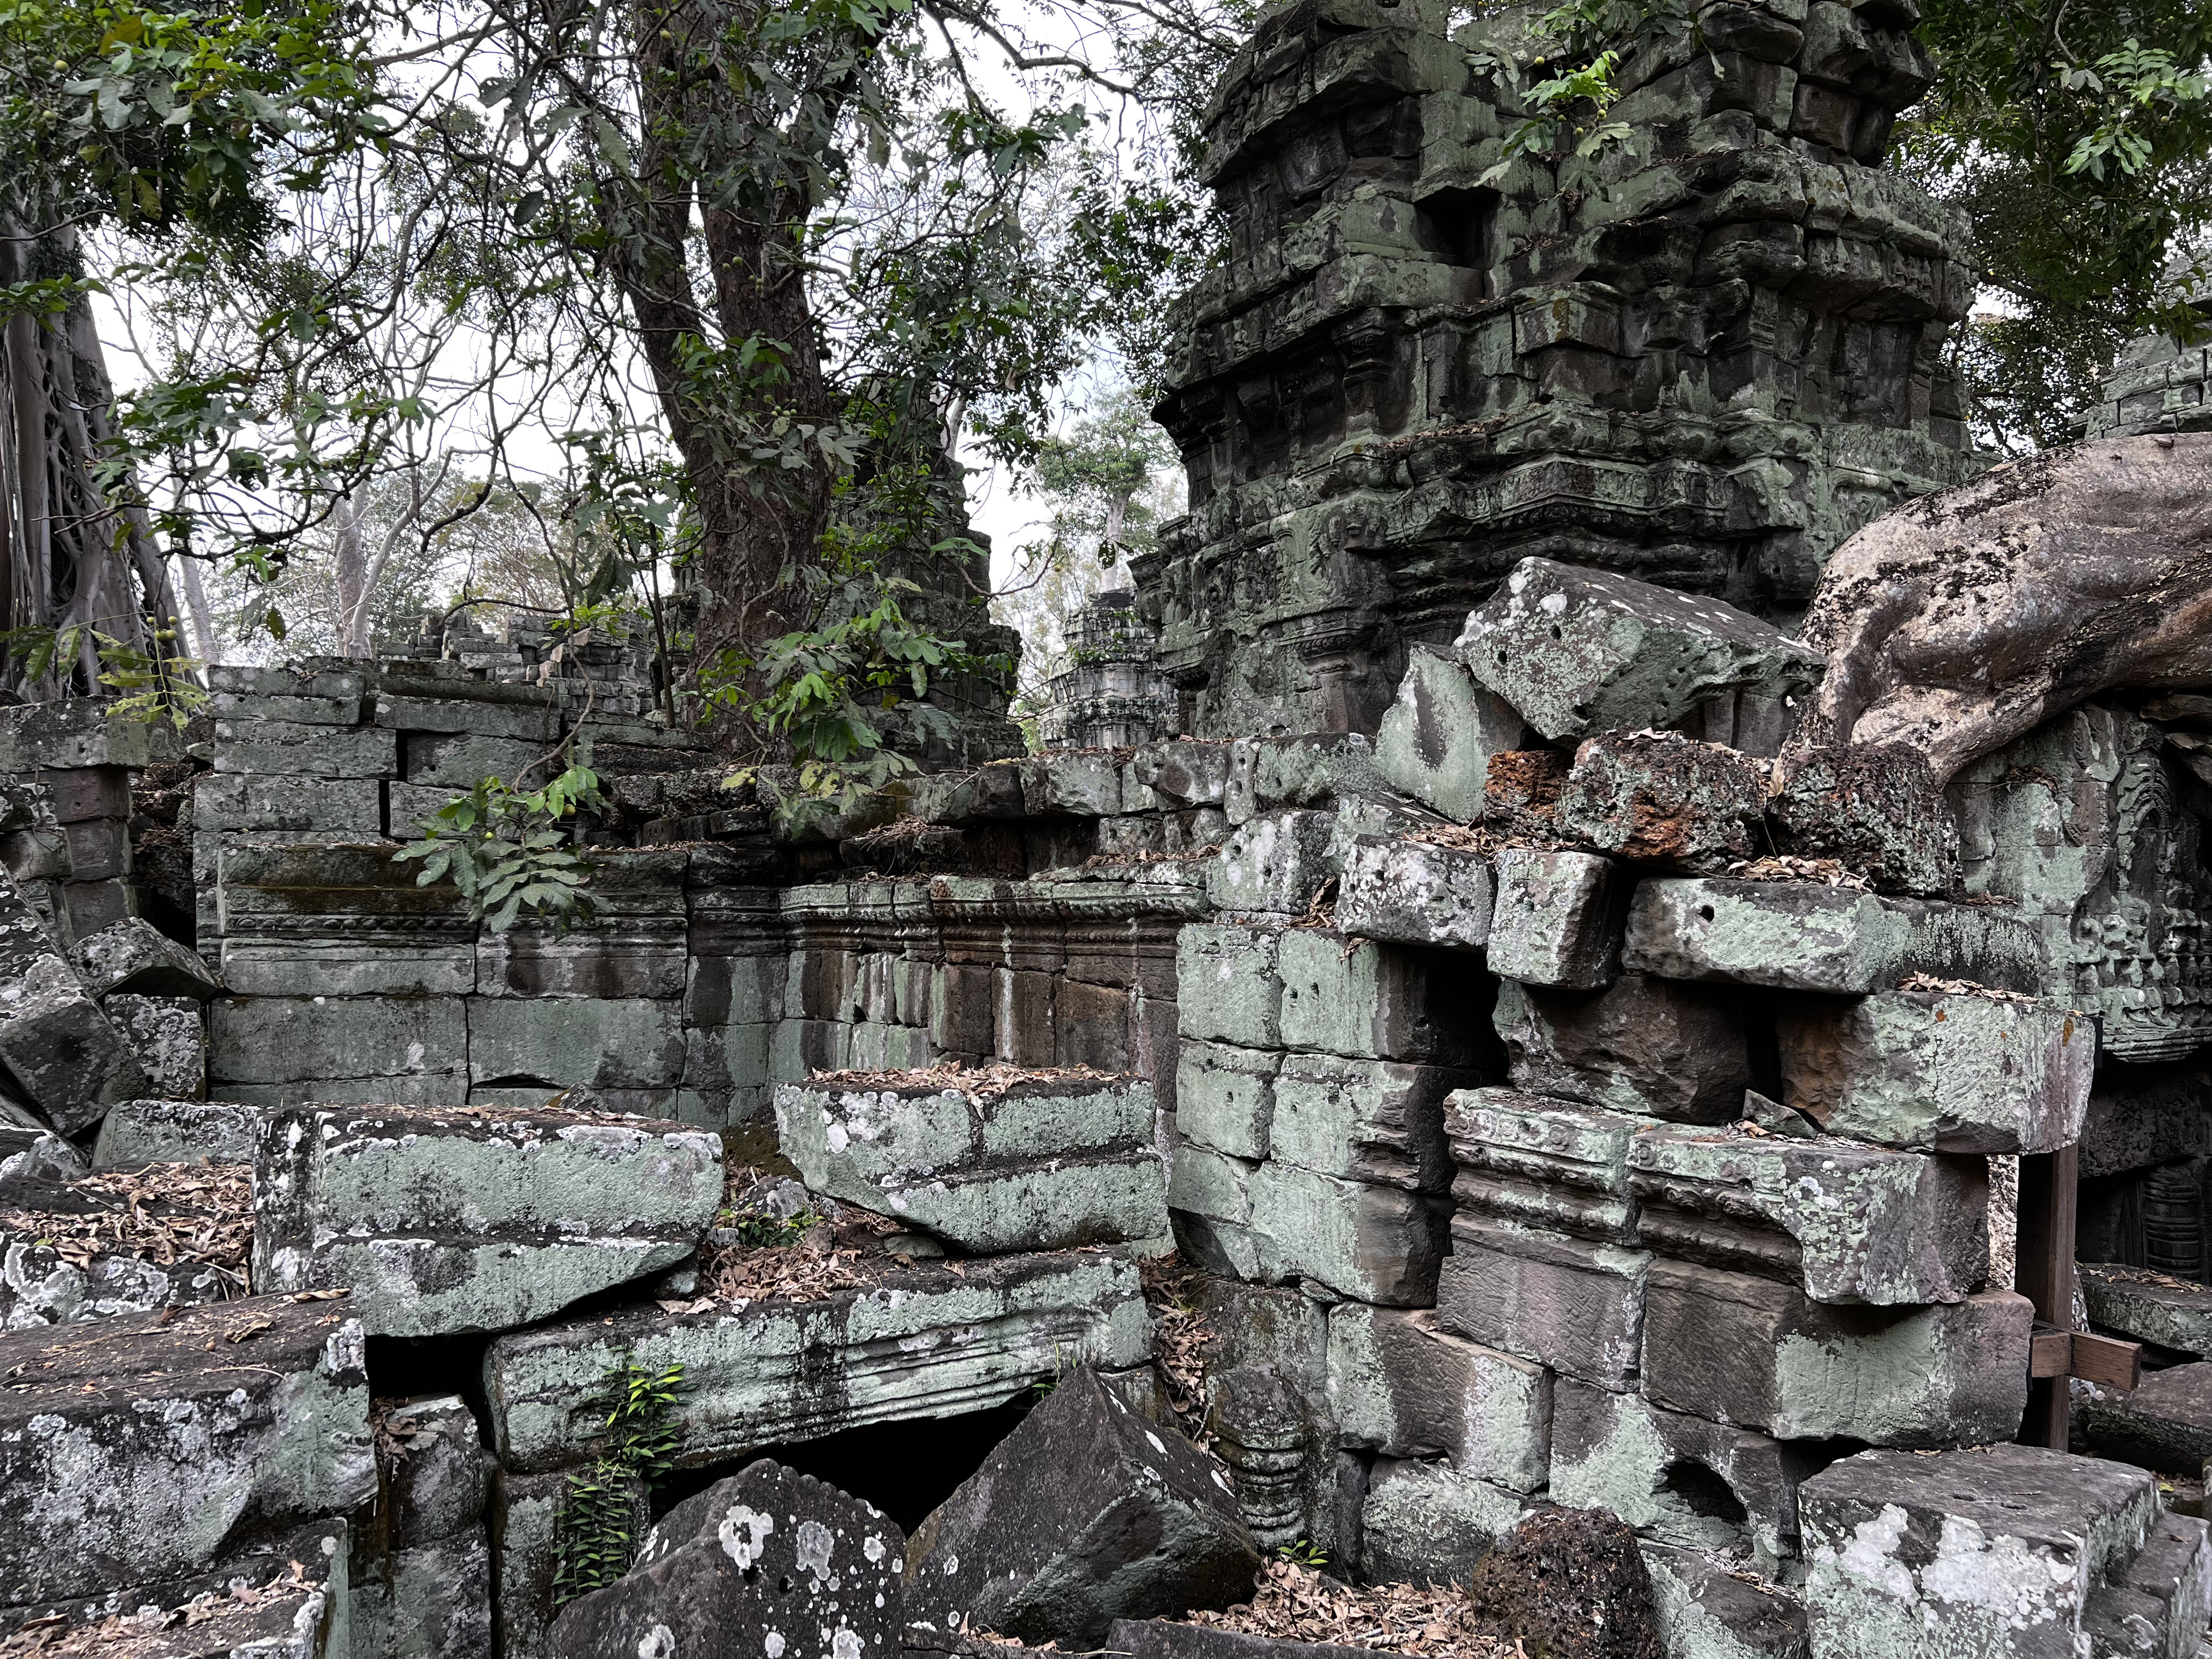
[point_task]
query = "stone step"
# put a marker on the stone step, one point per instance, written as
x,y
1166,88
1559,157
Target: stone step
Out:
x,y
2164,1423
2149,1306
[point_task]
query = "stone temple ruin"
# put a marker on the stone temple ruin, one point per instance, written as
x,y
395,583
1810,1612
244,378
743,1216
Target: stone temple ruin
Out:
x,y
1480,1061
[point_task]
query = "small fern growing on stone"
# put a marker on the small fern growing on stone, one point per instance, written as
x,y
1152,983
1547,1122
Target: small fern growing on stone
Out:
x,y
602,1520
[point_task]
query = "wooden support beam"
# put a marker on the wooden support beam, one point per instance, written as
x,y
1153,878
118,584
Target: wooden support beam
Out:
x,y
2101,1359
2044,1273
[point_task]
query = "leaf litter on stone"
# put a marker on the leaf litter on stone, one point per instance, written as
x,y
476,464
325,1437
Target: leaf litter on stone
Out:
x,y
1292,1603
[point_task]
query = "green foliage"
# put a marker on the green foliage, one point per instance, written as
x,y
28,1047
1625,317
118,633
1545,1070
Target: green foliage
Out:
x,y
506,851
148,686
1304,1553
597,1535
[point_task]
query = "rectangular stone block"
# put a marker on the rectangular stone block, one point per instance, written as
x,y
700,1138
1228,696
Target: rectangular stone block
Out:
x,y
345,967
1401,1386
2149,1306
1573,1304
308,710
1850,1224
169,1036
625,1043
1365,1120
1649,1046
140,1132
1225,1097
1423,1523
1275,862
67,733
449,1222
1054,1164
916,1343
298,750
454,761
338,807
1438,734
99,849
296,1039
530,718
87,792
1228,985
1939,1071
1408,892
1761,1354
1558,918
1380,1244
1543,1164
1381,1001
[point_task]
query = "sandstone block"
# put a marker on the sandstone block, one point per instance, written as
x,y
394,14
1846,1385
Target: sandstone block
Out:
x,y
1428,1523
1572,1304
65,734
136,957
2164,1423
313,1041
140,1132
1409,892
1225,1097
1378,1001
1655,1047
1702,1608
61,1054
49,1275
263,802
149,1447
1558,917
1953,1072
1043,1165
1760,1354
1183,771
1580,651
305,751
169,1036
1403,1387
1878,810
1274,862
1663,799
1315,769
453,762
1381,1244
912,1343
474,1220
769,1559
2158,1603
518,712
1228,984
2151,1307
1437,738
1544,1163
1850,1224
1365,1120
632,1043
1995,1551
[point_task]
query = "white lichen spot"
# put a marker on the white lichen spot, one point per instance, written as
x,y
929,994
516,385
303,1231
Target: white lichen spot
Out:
x,y
1552,605
1870,1557
845,1644
815,1541
772,1645
951,1565
745,1533
659,1642
1158,1444
873,1548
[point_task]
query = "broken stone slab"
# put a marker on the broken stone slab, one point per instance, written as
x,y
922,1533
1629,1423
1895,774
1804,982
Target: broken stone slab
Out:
x,y
1676,1478
2158,1603
1951,1071
474,1219
1994,1551
141,1132
1086,1513
66,1059
768,1561
149,1447
1380,1244
1315,769
1437,738
1662,799
1225,1097
1542,1163
1558,917
1804,936
1365,1120
1760,1354
913,1342
1411,892
1850,1224
30,1152
1377,1001
1184,772
1229,986
134,956
1877,810
1704,1608
63,1261
2164,1423
1274,862
2149,1306
169,1036
1579,651
1428,1523
1051,1163
1401,1386
1573,1304
1655,1047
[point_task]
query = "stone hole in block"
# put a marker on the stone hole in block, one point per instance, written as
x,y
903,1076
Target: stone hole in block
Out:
x,y
408,1367
906,1469
1705,1491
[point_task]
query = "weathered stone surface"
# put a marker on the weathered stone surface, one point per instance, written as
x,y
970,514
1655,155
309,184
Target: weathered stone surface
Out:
x,y
1573,1581
314,1041
1704,1611
474,1220
135,957
1536,1161
420,1577
1401,1386
2090,581
1381,1244
62,1056
915,1342
1850,1224
1659,798
1800,936
169,1036
1317,767
1877,810
769,1560
307,751
1228,987
1409,892
50,1274
66,733
1759,1353
1558,918
1674,1477
632,1043
2155,1606
1646,1045
1437,738
30,1152
149,1447
1580,651
1183,771
1166,1638
1366,1120
1225,1097
2164,1423
139,1132
1376,1001
1048,1164
1084,1514
1954,1073
2149,1306
1428,1523
335,921
1573,1304
1990,1551
1274,862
